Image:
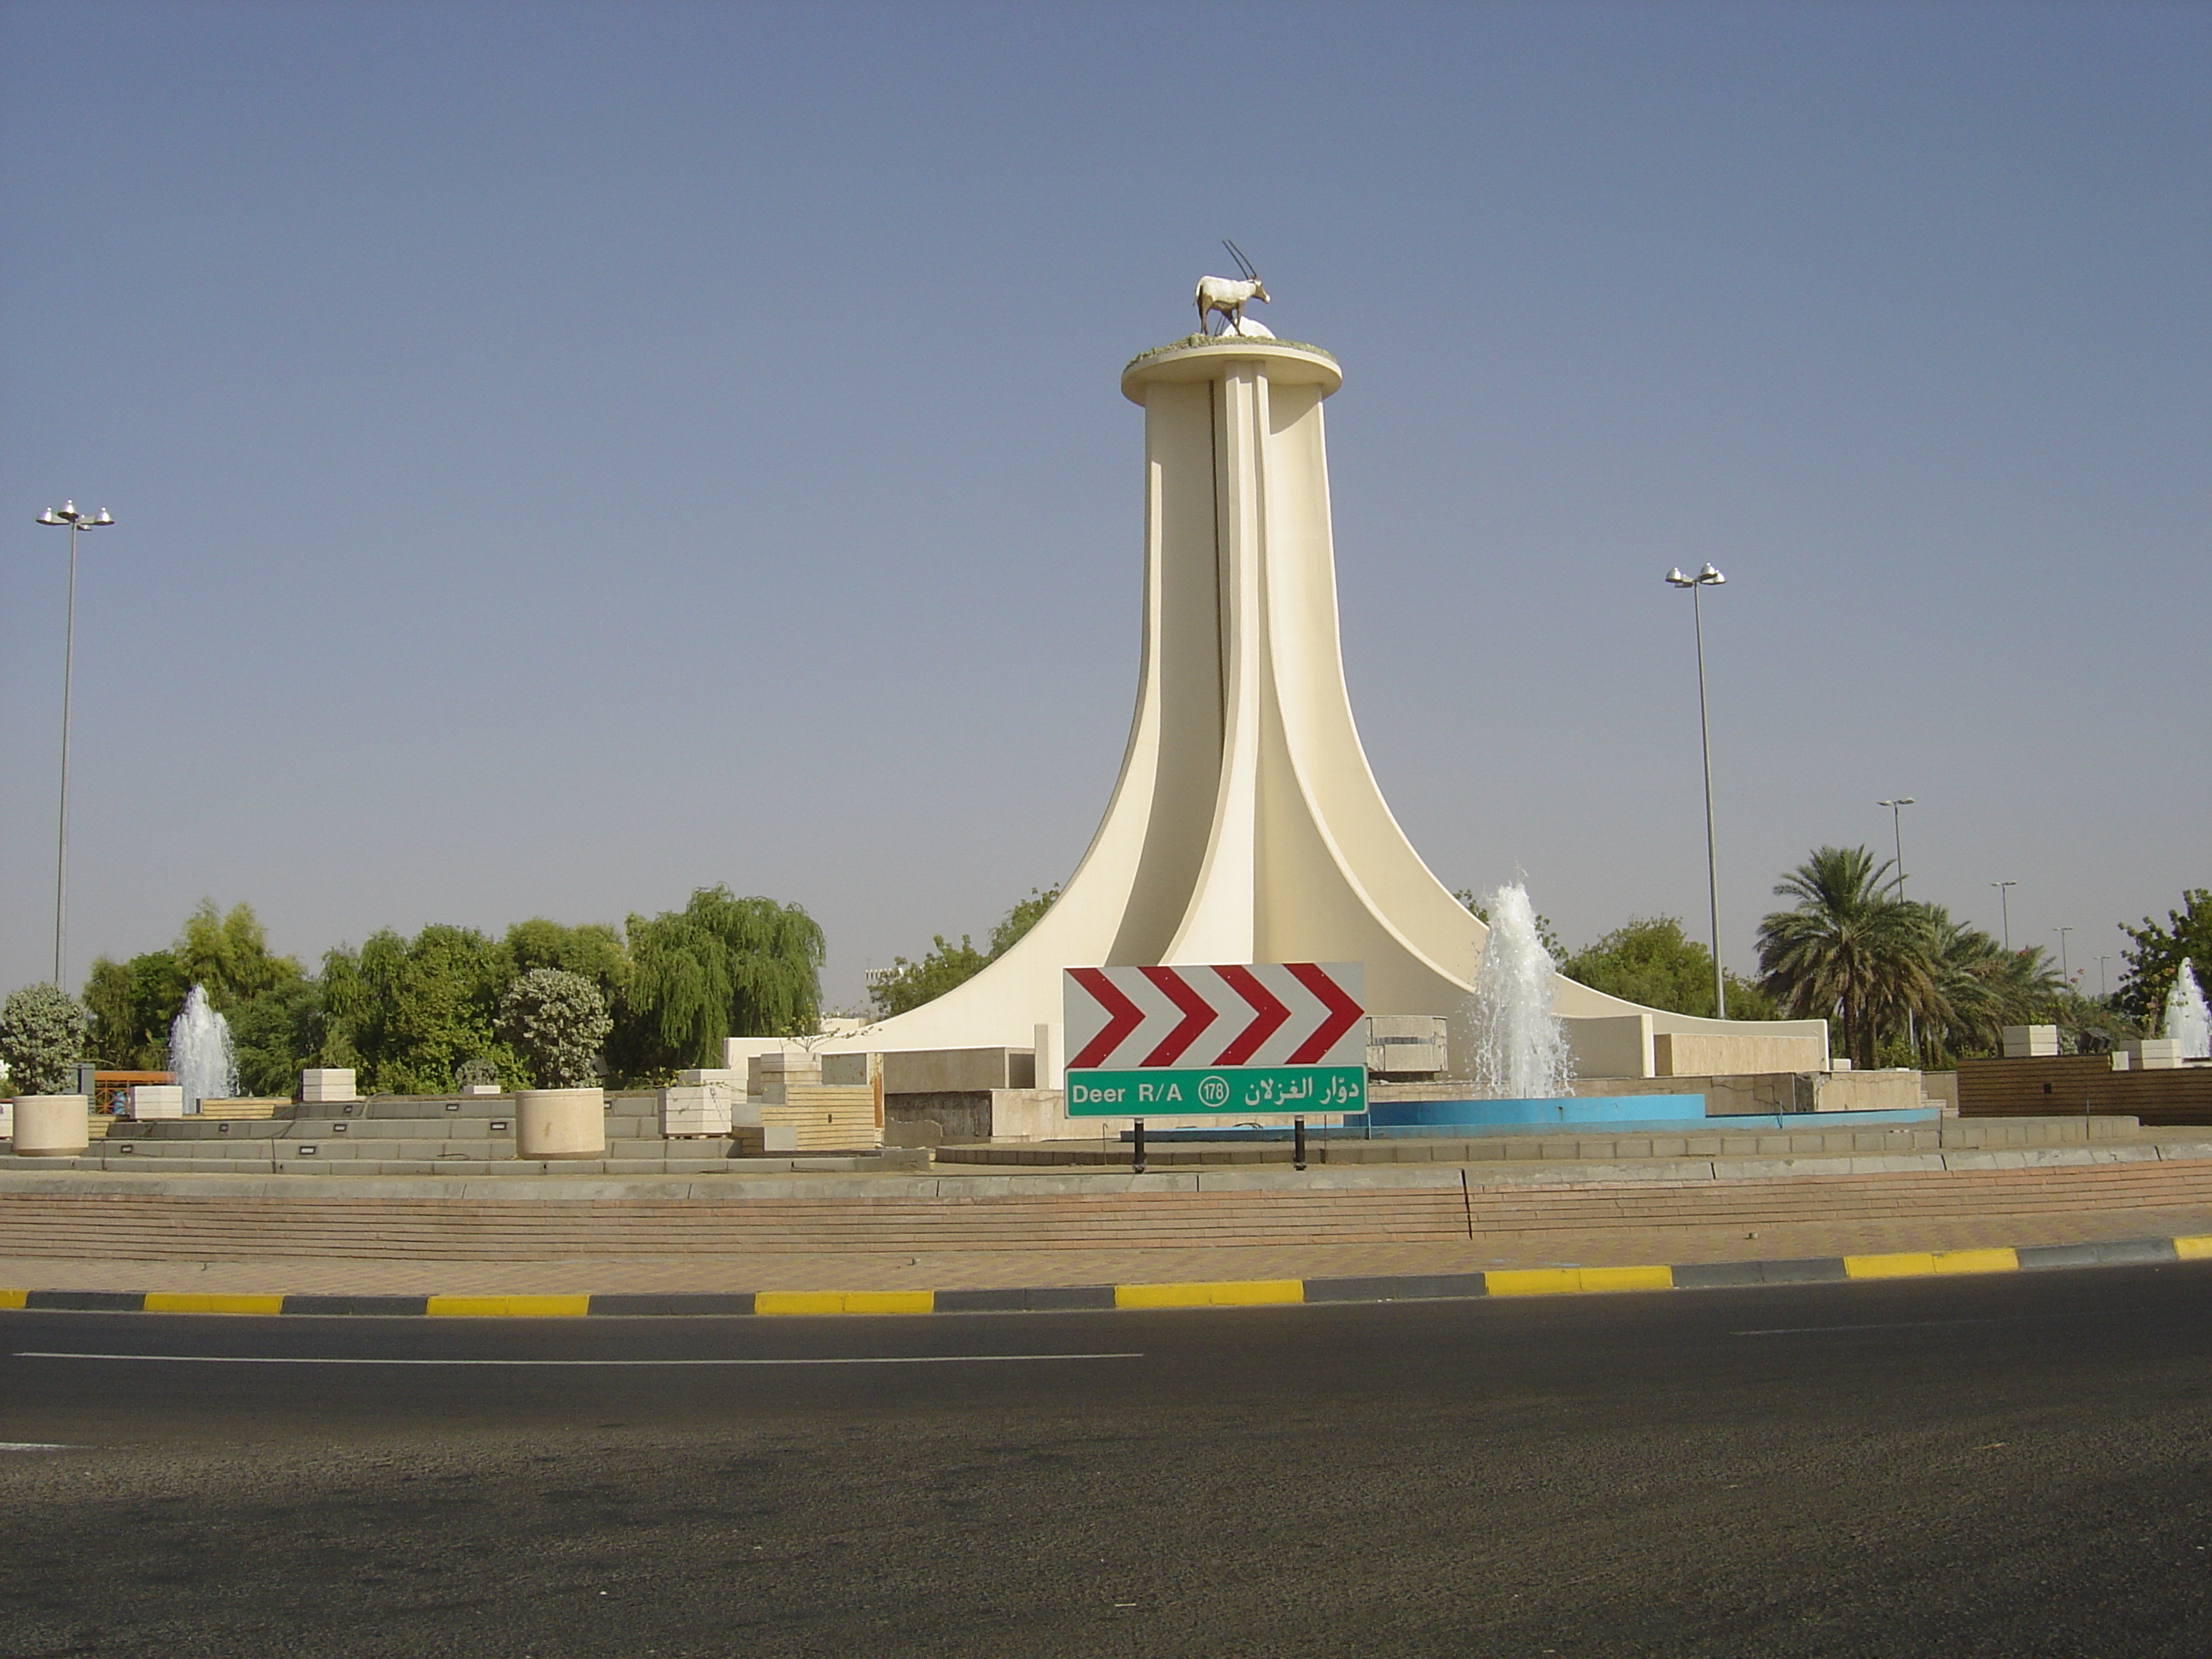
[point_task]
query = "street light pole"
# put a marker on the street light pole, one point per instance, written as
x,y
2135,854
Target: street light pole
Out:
x,y
2004,904
67,514
1708,577
1897,805
2062,974
1897,828
2104,981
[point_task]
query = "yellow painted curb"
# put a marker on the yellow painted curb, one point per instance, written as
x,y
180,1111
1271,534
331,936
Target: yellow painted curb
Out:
x,y
14,1298
1213,1293
1564,1281
845,1302
1917,1264
508,1307
196,1302
2196,1249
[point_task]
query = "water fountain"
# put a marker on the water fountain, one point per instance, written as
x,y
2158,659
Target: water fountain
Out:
x,y
1518,1045
1517,1066
2188,1020
201,1055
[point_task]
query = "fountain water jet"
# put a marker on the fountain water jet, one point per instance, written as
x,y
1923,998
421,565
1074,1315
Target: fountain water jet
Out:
x,y
201,1055
1518,1045
2187,1017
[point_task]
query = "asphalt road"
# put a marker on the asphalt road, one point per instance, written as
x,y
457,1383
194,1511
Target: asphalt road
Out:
x,y
2010,1465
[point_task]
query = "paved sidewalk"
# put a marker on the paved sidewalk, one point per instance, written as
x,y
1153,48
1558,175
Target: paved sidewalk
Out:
x,y
1000,1268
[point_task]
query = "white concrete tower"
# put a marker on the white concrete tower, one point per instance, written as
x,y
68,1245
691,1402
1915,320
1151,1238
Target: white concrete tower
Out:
x,y
1246,825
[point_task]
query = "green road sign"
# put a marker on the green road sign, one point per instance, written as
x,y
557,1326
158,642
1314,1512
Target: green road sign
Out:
x,y
1230,1091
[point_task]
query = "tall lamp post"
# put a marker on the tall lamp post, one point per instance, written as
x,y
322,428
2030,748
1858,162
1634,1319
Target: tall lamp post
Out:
x,y
1706,577
1897,805
66,514
2103,980
1897,829
2062,974
2004,907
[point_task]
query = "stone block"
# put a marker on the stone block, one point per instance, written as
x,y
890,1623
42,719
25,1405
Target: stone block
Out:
x,y
2153,1054
1698,1053
2030,1042
958,1071
149,1101
328,1083
1407,1045
694,1109
850,1071
1610,1045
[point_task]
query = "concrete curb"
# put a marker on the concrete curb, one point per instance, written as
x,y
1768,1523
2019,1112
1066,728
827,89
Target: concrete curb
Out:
x,y
1209,1293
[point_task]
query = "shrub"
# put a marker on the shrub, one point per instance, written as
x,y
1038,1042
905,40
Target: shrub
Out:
x,y
556,1020
41,1039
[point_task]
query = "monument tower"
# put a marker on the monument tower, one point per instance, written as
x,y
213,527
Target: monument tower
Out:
x,y
1246,825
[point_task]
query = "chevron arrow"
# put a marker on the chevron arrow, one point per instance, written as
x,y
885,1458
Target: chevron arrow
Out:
x,y
1343,1012
1123,1017
1197,1014
1268,1013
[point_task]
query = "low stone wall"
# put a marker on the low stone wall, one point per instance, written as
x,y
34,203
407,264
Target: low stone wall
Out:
x,y
2084,1084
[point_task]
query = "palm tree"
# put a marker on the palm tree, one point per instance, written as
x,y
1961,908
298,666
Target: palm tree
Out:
x,y
1986,988
1852,951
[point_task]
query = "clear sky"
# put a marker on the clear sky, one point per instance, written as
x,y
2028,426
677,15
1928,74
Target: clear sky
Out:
x,y
564,455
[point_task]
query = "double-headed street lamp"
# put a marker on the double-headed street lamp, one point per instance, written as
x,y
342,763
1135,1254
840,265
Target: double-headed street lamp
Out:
x,y
1706,578
1897,805
2004,905
66,513
1897,828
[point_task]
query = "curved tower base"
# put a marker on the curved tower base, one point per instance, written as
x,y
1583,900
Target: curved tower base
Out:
x,y
1246,825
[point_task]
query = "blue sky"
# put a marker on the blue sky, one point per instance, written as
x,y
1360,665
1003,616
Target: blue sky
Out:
x,y
568,454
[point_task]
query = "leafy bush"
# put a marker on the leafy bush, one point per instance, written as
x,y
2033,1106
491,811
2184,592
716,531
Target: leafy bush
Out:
x,y
556,1020
41,1039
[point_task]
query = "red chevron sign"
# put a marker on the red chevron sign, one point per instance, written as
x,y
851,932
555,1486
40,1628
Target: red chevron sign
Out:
x,y
1258,1014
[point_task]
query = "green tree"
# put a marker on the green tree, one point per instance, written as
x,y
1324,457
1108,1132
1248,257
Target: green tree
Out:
x,y
2156,954
131,1004
720,967
1652,962
1852,951
42,1032
593,949
1979,988
556,1020
269,1001
910,984
230,955
406,1012
275,1035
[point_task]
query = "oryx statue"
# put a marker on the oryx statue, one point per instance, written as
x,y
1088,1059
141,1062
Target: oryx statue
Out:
x,y
1227,294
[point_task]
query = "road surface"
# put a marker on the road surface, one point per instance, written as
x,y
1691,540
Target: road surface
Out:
x,y
2010,1465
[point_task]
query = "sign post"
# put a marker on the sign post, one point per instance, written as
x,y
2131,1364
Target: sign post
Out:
x,y
1275,1039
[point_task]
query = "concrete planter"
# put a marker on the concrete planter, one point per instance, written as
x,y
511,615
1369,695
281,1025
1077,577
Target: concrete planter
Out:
x,y
52,1125
560,1123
